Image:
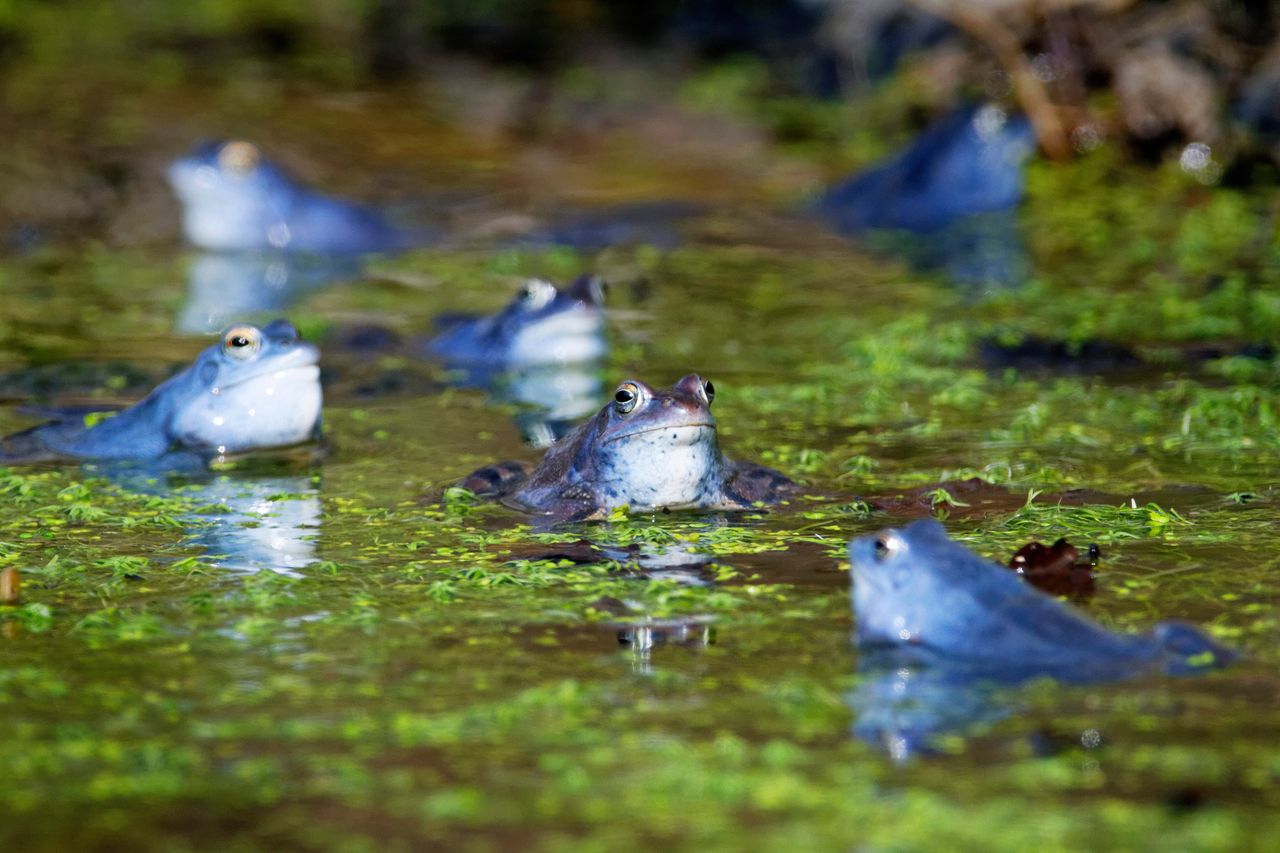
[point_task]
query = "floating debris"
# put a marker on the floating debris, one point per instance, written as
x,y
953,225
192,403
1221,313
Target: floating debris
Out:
x,y
1057,569
10,586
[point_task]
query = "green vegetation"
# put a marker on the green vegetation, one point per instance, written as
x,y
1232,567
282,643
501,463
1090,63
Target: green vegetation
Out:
x,y
431,669
444,673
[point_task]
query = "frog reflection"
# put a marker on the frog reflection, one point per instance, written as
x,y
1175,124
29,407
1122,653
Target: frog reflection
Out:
x,y
643,638
222,288
905,708
270,523
677,562
550,401
244,521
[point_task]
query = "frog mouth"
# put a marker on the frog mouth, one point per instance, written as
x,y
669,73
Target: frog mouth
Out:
x,y
708,425
868,580
300,364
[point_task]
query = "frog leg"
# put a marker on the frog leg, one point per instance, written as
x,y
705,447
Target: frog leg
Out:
x,y
559,503
501,478
748,485
28,447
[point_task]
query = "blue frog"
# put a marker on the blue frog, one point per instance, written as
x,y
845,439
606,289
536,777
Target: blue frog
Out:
x,y
235,200
949,200
542,352
542,325
916,589
255,389
648,450
945,638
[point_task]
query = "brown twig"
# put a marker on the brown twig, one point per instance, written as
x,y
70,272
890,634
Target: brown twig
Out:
x,y
1006,47
10,586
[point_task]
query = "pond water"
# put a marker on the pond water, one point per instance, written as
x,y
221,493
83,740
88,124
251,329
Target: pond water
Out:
x,y
325,652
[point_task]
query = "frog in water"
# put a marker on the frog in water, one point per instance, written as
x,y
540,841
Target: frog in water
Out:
x,y
235,200
916,590
542,325
647,450
256,389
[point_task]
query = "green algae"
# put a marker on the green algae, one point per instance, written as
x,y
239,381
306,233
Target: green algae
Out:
x,y
430,679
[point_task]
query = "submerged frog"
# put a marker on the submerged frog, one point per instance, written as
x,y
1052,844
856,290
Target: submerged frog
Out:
x,y
919,591
256,389
235,200
542,325
647,450
969,162
960,182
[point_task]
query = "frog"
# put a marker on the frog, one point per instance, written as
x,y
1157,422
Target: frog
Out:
x,y
959,183
542,351
647,450
969,162
541,325
257,388
919,592
234,199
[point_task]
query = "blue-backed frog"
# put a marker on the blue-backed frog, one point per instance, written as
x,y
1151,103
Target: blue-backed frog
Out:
x,y
541,325
255,389
647,450
916,589
235,200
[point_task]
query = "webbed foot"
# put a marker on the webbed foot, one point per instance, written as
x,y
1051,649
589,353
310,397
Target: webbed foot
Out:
x,y
495,480
749,485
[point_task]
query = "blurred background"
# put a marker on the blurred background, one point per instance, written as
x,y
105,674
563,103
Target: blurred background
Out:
x,y
1024,251
754,102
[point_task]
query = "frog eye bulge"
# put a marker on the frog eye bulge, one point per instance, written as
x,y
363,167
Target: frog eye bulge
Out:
x,y
239,158
537,294
624,399
242,342
710,391
883,548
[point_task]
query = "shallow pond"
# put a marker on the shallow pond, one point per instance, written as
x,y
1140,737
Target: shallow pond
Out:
x,y
344,653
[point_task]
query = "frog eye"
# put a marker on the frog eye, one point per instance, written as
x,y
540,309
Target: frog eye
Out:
x,y
242,342
710,391
624,399
537,294
239,158
884,546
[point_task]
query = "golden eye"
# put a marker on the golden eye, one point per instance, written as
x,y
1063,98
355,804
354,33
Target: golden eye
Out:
x,y
239,158
242,342
624,399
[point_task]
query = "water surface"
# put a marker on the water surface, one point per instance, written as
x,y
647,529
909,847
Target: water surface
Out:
x,y
340,652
